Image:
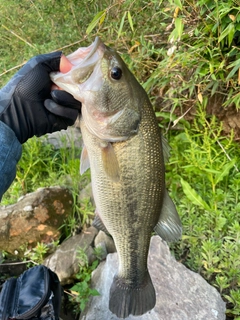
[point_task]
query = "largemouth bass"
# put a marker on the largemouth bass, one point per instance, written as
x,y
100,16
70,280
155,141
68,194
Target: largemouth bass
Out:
x,y
124,149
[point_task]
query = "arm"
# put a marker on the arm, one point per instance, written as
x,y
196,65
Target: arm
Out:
x,y
10,153
28,107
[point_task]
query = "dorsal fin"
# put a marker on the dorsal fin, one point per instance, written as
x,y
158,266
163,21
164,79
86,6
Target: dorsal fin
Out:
x,y
169,226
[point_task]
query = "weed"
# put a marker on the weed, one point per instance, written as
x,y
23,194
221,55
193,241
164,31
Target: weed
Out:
x,y
38,253
203,175
81,291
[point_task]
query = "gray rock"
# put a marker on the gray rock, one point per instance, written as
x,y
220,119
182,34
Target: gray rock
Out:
x,y
36,217
86,193
65,260
65,138
105,244
181,294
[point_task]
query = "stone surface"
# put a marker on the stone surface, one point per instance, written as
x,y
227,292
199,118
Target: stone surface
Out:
x,y
181,294
35,217
65,138
105,243
65,261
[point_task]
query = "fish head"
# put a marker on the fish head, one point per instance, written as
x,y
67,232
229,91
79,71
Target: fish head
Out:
x,y
111,97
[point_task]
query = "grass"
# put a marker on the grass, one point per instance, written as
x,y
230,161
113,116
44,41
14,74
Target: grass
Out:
x,y
183,53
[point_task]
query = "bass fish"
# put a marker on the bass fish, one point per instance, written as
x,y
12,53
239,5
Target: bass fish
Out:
x,y
125,151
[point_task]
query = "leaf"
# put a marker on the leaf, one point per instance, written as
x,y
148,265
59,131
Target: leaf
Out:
x,y
231,34
94,292
130,20
227,31
121,24
179,27
99,17
102,18
232,17
234,70
193,196
225,170
200,97
178,3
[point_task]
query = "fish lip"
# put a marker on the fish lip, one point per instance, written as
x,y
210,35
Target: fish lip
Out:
x,y
84,68
92,49
95,46
82,60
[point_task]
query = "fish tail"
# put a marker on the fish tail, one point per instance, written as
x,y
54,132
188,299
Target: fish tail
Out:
x,y
136,300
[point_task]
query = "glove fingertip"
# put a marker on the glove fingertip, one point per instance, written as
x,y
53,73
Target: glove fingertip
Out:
x,y
66,99
61,111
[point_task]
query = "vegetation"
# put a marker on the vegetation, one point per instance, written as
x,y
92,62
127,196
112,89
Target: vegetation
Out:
x,y
81,290
185,54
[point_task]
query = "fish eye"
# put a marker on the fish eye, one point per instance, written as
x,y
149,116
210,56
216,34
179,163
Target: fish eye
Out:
x,y
116,73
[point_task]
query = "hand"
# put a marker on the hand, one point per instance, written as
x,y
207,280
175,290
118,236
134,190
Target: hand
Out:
x,y
27,104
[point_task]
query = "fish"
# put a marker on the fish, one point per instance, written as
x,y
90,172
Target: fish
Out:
x,y
126,153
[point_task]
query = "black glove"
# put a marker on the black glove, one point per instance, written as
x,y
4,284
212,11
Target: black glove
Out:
x,y
27,104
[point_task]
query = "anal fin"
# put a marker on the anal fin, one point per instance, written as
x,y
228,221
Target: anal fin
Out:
x,y
98,224
169,226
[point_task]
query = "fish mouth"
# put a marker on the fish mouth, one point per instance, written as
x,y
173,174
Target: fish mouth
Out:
x,y
83,62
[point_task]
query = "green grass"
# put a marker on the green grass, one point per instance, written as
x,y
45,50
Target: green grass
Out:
x,y
183,53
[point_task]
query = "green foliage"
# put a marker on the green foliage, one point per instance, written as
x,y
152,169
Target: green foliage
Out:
x,y
203,177
37,254
81,291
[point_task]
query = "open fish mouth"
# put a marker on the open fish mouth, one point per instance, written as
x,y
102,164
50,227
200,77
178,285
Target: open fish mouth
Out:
x,y
83,62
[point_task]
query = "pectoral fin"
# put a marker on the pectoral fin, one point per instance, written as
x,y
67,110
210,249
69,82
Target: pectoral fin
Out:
x,y
110,162
169,226
84,161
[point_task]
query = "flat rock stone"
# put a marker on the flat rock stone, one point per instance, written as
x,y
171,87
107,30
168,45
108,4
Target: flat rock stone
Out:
x,y
105,244
181,294
65,260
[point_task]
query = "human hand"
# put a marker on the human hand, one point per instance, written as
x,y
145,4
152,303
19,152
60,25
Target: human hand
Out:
x,y
29,107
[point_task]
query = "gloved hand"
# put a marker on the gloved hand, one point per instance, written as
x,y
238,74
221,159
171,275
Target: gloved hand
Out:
x,y
27,104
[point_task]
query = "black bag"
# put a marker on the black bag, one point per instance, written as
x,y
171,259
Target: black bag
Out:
x,y
36,294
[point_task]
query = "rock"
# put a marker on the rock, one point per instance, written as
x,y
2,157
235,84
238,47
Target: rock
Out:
x,y
86,193
65,260
65,138
36,217
181,293
105,244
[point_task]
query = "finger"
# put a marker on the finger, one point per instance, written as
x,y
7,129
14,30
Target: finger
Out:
x,y
65,64
65,99
61,111
50,61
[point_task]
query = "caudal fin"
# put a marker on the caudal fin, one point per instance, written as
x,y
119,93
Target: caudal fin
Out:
x,y
136,300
